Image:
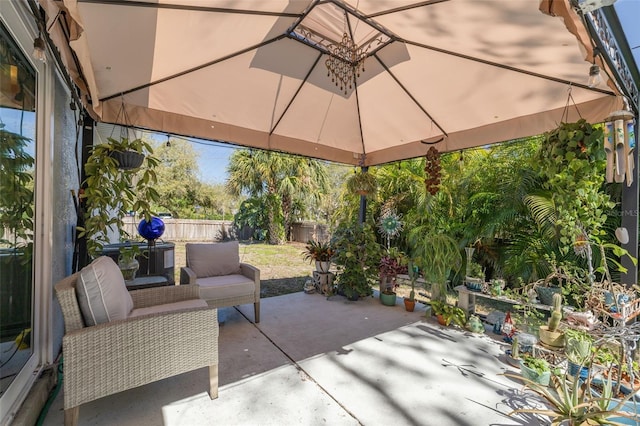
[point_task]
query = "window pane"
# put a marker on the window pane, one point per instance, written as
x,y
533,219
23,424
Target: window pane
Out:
x,y
17,168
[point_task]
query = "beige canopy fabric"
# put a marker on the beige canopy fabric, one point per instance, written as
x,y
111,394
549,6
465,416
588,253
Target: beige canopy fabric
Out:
x,y
454,73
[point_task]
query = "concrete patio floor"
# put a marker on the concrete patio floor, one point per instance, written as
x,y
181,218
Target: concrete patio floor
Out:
x,y
313,360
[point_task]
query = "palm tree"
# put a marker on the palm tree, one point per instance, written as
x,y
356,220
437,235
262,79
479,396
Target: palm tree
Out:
x,y
283,181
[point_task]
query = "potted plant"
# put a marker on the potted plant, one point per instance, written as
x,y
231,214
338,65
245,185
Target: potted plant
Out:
x,y
496,286
356,256
550,334
321,253
363,183
392,263
437,255
388,296
475,277
574,402
447,313
410,302
128,262
111,192
578,345
535,369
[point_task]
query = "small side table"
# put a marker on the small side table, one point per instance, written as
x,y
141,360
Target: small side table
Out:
x,y
147,281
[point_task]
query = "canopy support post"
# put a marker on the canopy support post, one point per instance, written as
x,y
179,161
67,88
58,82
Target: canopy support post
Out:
x,y
629,211
362,214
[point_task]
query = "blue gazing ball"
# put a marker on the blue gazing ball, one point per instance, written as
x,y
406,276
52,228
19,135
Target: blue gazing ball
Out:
x,y
151,230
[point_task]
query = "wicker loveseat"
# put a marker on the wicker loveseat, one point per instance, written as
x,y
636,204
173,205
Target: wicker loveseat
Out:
x,y
168,332
216,270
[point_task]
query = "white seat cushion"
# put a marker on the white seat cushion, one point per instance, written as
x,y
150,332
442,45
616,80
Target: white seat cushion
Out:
x,y
168,307
102,293
225,286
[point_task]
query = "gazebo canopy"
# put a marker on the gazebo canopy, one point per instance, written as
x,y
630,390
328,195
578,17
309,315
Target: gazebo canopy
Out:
x,y
454,73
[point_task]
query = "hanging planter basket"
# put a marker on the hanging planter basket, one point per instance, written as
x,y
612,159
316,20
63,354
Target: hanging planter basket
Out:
x,y
127,160
362,183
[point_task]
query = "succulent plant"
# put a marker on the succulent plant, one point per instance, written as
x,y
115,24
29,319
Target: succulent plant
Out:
x,y
556,314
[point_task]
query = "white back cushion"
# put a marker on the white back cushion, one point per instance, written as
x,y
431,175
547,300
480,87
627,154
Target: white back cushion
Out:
x,y
102,293
213,259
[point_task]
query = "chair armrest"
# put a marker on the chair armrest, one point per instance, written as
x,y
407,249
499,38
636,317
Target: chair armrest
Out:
x,y
187,276
161,295
253,273
119,355
250,271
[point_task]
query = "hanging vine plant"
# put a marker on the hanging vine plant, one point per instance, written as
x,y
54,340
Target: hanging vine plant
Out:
x,y
363,183
573,162
113,189
432,171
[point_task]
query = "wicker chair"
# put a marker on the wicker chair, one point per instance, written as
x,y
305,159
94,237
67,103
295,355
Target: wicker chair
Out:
x,y
115,356
215,269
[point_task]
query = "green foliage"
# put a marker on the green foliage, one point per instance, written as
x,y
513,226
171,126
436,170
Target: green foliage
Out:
x,y
437,255
253,215
539,365
578,345
110,192
556,313
572,162
449,313
393,262
574,401
357,254
182,192
16,187
287,184
318,251
476,271
501,201
363,183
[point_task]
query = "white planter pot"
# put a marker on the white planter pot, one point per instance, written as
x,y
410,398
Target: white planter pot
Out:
x,y
322,266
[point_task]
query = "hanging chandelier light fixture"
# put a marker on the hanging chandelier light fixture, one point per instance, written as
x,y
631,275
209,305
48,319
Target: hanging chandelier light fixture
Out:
x,y
345,62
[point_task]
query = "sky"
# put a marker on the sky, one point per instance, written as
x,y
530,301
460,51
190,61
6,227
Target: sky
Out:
x,y
629,14
213,157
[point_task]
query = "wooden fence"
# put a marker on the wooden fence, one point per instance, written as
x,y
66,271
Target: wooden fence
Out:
x,y
217,230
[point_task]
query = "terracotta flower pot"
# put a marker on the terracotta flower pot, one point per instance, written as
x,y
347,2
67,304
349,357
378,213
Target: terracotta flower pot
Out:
x,y
409,305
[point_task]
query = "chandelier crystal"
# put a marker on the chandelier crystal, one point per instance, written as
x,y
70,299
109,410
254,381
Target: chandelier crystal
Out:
x,y
345,62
